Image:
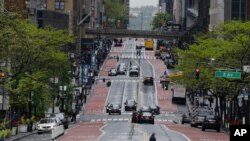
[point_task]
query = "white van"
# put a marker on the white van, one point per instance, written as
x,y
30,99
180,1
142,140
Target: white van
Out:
x,y
121,68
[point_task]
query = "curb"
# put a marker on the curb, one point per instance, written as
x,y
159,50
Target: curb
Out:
x,y
17,138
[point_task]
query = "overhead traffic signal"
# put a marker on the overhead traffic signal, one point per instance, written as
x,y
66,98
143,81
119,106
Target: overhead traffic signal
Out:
x,y
197,73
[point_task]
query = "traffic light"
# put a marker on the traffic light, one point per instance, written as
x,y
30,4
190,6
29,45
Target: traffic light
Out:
x,y
197,73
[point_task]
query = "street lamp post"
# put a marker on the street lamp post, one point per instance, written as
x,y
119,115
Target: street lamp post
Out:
x,y
62,89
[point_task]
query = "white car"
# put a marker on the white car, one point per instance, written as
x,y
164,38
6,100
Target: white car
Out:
x,y
47,124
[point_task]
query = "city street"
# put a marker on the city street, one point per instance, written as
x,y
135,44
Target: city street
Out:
x,y
104,127
124,70
95,124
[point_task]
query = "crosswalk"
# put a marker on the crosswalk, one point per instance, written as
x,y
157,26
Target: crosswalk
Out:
x,y
125,80
125,119
137,57
133,57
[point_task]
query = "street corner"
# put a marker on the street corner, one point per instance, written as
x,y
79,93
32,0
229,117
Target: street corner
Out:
x,y
85,131
195,134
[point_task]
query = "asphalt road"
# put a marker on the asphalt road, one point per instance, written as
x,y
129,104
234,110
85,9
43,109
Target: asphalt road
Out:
x,y
119,127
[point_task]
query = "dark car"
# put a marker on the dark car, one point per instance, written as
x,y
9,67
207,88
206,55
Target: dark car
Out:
x,y
113,108
130,105
112,72
155,109
198,117
185,118
148,81
146,117
145,109
118,43
211,122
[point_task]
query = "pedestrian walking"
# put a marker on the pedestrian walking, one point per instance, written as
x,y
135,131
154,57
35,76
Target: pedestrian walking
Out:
x,y
152,137
130,63
74,116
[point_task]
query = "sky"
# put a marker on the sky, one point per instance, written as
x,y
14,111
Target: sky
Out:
x,y
139,3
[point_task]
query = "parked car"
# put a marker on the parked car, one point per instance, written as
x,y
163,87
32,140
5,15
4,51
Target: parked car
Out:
x,y
112,72
113,108
185,118
130,105
121,68
211,122
47,124
64,119
148,81
147,117
155,109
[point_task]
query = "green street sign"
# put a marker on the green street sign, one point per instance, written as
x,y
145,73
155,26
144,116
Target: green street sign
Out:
x,y
227,74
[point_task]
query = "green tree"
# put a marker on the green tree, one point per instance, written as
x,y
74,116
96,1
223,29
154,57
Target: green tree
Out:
x,y
160,19
114,10
34,56
226,48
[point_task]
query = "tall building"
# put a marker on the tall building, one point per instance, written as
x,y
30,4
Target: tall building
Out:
x,y
64,7
222,11
166,6
125,23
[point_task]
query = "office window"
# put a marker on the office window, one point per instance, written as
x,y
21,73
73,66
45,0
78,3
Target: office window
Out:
x,y
59,5
238,10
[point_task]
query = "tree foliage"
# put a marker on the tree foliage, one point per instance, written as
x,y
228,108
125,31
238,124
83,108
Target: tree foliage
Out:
x,y
228,45
32,56
115,9
160,19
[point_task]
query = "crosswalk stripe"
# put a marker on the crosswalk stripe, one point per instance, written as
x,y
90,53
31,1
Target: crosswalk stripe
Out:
x,y
127,119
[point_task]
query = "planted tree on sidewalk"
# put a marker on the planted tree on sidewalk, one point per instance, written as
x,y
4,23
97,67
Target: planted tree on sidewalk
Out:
x,y
226,48
33,56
